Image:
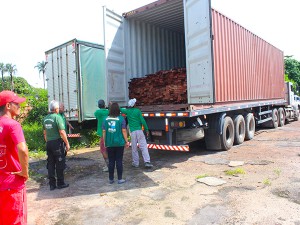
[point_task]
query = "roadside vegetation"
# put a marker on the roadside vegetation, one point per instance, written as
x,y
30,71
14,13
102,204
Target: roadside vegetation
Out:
x,y
36,107
277,172
292,72
34,110
235,172
201,176
267,182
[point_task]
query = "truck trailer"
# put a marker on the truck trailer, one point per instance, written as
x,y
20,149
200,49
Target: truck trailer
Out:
x,y
235,79
75,71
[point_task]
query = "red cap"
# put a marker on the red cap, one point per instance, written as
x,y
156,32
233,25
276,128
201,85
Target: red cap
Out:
x,y
9,96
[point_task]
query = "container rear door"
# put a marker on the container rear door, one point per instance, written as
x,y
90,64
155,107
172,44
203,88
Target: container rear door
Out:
x,y
115,57
92,76
69,81
62,78
198,38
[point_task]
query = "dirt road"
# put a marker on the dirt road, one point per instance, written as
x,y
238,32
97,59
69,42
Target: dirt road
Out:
x,y
267,190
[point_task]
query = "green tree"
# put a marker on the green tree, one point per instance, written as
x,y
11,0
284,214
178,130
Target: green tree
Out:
x,y
41,66
292,69
3,70
21,86
11,69
38,101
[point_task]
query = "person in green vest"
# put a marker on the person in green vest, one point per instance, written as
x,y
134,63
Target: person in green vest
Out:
x,y
136,121
100,115
115,138
57,145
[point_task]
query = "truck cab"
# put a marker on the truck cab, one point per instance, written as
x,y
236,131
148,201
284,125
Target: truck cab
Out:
x,y
297,101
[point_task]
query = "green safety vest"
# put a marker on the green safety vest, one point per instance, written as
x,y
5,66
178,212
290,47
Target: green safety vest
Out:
x,y
113,130
52,123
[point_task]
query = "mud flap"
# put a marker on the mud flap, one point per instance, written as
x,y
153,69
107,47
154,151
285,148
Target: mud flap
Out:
x,y
214,132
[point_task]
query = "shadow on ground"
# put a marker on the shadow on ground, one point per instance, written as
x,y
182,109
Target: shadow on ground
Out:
x,y
85,176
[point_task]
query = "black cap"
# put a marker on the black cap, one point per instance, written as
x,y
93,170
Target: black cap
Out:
x,y
101,103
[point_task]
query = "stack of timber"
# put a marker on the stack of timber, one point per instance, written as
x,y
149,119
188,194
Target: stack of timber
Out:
x,y
162,88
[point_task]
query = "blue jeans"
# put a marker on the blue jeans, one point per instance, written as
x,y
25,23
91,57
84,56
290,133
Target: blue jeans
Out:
x,y
115,158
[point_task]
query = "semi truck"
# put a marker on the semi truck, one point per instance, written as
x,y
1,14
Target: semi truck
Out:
x,y
235,79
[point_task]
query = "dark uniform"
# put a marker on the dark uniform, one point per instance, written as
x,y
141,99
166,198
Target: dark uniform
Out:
x,y
55,149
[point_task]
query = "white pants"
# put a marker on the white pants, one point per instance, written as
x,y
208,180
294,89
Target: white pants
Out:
x,y
139,137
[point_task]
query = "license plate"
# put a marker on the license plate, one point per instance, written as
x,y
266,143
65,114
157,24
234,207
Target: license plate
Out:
x,y
156,133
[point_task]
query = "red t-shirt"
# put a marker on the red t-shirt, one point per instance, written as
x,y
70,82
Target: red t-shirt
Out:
x,y
11,134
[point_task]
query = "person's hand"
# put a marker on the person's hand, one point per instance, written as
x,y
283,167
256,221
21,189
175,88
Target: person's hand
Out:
x,y
22,174
67,147
127,144
147,133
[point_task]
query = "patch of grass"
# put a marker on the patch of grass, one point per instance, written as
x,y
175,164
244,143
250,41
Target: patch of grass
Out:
x,y
235,172
267,182
35,139
277,172
37,154
201,176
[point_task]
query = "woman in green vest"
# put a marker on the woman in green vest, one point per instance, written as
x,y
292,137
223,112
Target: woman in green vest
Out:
x,y
115,137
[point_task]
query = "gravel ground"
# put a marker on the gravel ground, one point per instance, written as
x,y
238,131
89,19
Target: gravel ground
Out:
x,y
266,191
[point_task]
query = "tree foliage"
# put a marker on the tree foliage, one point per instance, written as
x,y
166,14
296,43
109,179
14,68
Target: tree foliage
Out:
x,y
41,66
36,99
33,110
39,106
292,69
11,70
2,70
21,85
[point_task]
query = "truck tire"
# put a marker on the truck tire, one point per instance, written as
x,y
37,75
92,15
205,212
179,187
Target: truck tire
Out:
x,y
275,118
296,115
227,136
239,130
250,126
281,115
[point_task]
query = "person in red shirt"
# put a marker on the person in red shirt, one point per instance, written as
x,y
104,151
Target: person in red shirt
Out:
x,y
13,162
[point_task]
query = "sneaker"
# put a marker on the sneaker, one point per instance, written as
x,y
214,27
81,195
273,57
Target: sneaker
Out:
x,y
148,165
62,186
105,169
121,181
111,181
134,165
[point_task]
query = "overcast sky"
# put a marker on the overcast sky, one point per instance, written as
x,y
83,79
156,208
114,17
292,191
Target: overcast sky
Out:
x,y
31,27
